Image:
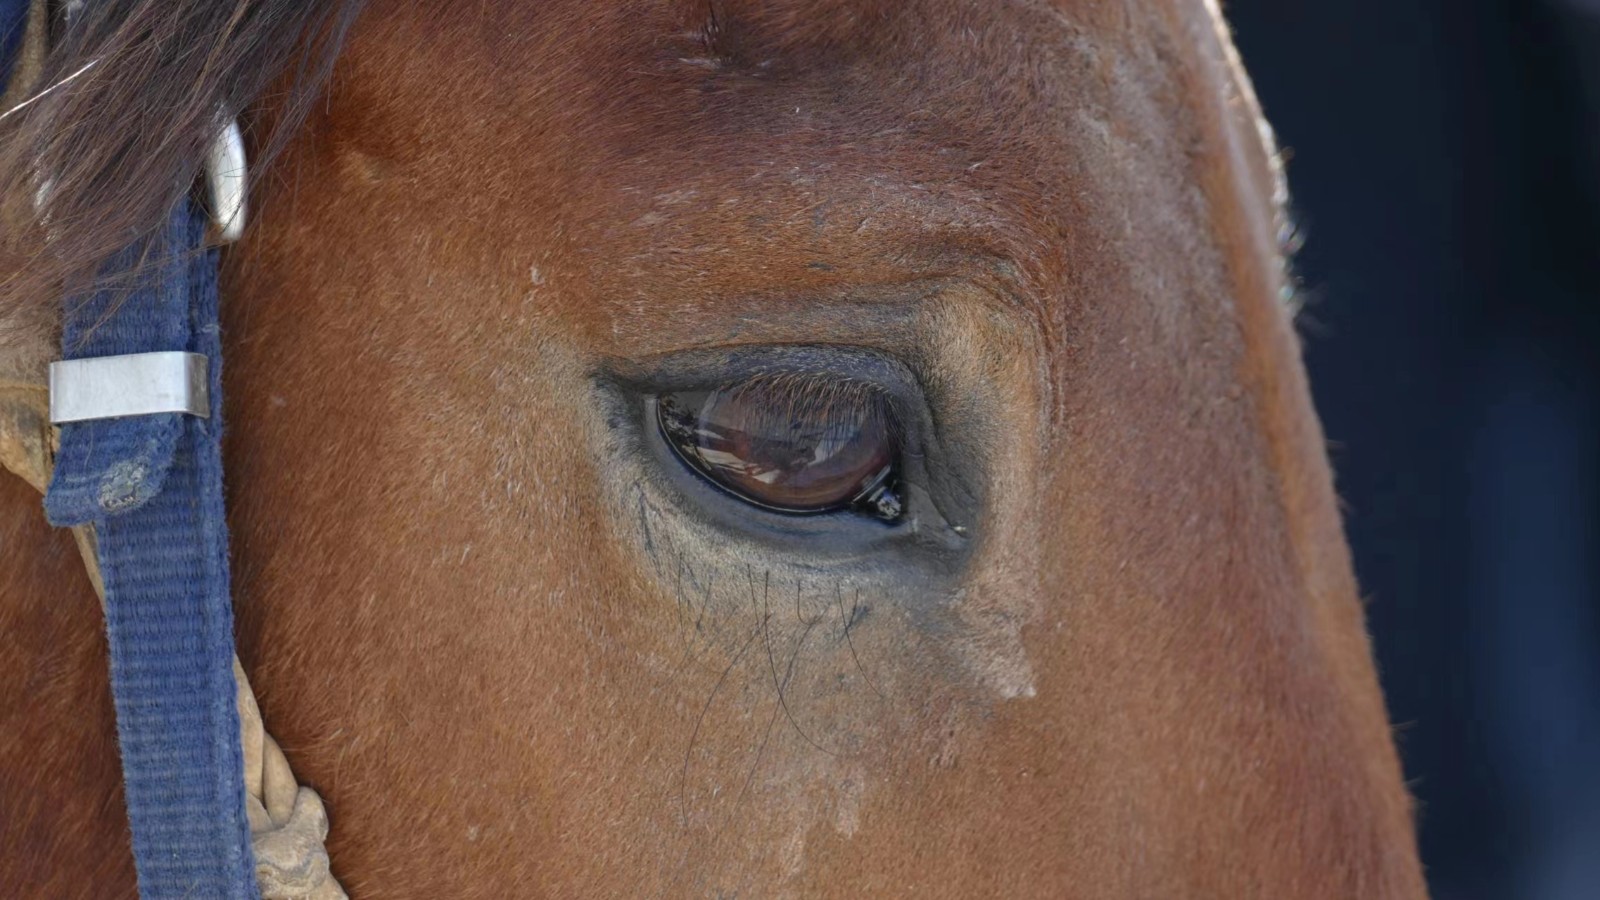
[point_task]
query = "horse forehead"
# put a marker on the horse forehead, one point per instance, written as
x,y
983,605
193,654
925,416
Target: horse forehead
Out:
x,y
985,125
940,84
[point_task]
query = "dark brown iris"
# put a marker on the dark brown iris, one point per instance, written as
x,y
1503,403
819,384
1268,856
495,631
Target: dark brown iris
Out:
x,y
796,445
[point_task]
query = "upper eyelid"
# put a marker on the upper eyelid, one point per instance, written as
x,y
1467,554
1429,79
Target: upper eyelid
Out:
x,y
811,392
705,370
796,381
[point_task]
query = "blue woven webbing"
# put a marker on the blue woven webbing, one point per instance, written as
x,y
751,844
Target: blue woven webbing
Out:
x,y
152,487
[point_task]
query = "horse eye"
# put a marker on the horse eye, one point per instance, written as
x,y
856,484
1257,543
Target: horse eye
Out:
x,y
794,446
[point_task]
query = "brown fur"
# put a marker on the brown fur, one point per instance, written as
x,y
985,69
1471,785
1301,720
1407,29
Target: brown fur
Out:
x,y
61,819
513,669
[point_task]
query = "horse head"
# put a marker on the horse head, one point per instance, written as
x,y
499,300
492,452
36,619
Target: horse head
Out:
x,y
828,448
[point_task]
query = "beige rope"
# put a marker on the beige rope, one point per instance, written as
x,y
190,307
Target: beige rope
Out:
x,y
288,824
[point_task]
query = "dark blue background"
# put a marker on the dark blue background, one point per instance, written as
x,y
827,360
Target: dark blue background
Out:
x,y
1446,172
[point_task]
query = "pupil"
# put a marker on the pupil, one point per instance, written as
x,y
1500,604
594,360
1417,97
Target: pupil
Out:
x,y
793,446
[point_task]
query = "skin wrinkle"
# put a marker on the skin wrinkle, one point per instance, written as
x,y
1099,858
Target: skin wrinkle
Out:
x,y
517,660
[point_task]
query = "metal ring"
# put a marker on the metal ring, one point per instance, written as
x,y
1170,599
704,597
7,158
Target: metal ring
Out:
x,y
226,176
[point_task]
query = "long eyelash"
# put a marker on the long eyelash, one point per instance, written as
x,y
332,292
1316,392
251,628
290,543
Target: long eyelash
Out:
x,y
825,399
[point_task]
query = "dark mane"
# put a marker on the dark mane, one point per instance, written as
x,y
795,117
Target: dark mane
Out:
x,y
122,142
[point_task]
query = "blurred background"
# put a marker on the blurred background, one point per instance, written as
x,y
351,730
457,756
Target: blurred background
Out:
x,y
1444,157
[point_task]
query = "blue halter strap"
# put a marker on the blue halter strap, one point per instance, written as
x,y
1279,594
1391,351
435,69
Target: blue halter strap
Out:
x,y
151,484
152,487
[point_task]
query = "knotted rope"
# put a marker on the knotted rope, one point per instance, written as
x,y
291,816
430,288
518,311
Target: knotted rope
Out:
x,y
288,823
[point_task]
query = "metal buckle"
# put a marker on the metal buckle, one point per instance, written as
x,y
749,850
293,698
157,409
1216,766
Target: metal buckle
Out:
x,y
134,384
143,384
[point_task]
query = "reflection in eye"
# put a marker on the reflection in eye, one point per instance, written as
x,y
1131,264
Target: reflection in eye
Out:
x,y
798,444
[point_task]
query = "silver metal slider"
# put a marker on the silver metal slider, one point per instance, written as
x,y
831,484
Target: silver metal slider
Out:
x,y
226,177
137,384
